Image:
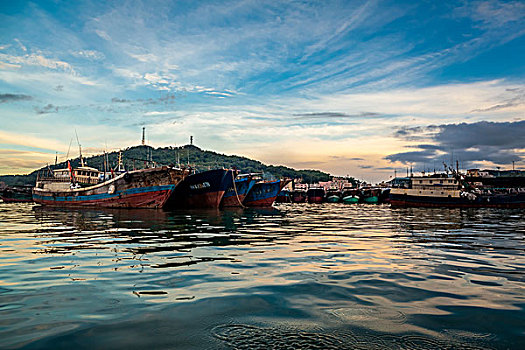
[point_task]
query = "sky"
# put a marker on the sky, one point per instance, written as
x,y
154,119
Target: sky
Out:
x,y
359,88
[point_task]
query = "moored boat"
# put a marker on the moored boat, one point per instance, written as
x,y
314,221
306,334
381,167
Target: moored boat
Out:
x,y
370,195
235,194
350,199
202,190
264,193
315,195
333,195
17,194
83,186
299,193
442,190
350,195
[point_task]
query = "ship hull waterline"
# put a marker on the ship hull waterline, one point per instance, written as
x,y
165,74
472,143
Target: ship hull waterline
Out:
x,y
431,202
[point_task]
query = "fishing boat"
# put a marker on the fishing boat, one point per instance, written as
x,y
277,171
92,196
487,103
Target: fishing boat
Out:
x,y
202,190
333,195
315,195
370,195
444,190
17,194
299,193
264,193
235,194
350,195
87,187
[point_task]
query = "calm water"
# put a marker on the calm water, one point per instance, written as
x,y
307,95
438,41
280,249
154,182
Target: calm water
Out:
x,y
298,276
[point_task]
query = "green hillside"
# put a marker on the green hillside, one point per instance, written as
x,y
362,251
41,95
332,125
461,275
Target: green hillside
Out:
x,y
134,157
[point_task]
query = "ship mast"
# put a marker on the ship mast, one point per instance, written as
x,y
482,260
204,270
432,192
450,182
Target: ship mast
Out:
x,y
79,150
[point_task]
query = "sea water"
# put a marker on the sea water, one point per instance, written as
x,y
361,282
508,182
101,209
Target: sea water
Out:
x,y
299,276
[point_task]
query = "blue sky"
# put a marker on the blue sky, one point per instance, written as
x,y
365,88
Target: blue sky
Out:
x,y
349,87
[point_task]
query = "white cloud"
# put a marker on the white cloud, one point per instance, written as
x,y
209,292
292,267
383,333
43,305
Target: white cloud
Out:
x,y
37,60
89,54
21,45
103,35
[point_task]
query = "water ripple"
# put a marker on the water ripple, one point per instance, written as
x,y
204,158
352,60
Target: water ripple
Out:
x,y
380,277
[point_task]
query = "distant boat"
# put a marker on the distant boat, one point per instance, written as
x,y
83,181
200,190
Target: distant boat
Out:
x,y
299,196
350,195
442,190
299,193
83,186
17,194
264,193
235,194
315,195
333,195
202,190
370,195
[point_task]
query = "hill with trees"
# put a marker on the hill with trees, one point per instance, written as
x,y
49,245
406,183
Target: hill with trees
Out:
x,y
137,157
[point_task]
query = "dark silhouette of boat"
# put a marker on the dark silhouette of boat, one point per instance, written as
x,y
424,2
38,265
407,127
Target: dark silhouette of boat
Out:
x,y
17,194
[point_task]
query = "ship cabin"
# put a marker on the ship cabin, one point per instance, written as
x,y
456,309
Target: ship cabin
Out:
x,y
444,183
83,175
439,185
87,175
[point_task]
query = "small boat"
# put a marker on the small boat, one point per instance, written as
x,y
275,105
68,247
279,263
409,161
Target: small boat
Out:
x,y
333,195
264,193
299,196
350,199
86,187
370,195
350,195
17,194
299,193
235,194
315,195
202,190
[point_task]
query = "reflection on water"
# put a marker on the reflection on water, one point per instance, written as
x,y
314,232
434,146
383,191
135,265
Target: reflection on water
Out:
x,y
298,276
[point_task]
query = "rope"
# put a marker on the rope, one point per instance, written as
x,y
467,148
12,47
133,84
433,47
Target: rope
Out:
x,y
236,194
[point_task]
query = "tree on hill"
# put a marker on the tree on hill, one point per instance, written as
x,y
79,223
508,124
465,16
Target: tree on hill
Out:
x,y
137,157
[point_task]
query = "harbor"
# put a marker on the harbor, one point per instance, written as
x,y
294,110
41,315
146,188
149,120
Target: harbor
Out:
x,y
188,186
262,175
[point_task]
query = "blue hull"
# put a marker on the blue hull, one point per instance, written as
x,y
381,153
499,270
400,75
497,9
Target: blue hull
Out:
x,y
263,194
233,197
202,190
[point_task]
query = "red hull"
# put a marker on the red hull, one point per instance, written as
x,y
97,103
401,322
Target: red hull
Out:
x,y
267,202
232,201
205,200
13,200
154,199
316,200
398,203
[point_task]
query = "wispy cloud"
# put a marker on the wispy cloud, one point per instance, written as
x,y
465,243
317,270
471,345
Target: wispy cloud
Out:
x,y
5,98
49,108
89,54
